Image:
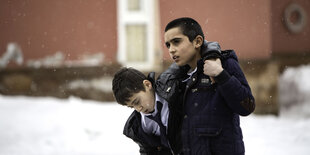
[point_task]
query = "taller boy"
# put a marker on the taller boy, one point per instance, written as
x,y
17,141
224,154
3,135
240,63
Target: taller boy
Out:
x,y
216,92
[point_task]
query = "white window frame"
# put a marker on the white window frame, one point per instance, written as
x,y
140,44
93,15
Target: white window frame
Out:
x,y
146,17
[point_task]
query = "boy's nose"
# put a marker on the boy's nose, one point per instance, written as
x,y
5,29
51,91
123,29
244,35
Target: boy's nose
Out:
x,y
171,49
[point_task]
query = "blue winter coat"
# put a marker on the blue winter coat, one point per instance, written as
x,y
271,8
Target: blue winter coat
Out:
x,y
211,123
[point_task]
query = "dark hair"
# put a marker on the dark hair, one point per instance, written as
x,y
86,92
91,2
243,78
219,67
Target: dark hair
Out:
x,y
188,26
126,82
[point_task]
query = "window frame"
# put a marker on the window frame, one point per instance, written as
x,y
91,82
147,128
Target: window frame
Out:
x,y
145,16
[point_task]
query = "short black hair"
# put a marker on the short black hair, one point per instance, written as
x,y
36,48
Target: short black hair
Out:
x,y
126,82
188,26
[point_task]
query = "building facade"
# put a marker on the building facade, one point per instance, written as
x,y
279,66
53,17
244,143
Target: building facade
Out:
x,y
268,36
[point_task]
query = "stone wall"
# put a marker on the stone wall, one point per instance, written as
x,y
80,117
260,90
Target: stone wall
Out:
x,y
263,77
263,80
95,83
60,82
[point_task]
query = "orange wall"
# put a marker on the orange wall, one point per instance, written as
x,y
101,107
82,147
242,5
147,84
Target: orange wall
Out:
x,y
243,25
253,28
75,27
283,41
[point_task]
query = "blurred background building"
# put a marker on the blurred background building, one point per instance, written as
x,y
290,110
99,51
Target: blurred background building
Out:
x,y
73,47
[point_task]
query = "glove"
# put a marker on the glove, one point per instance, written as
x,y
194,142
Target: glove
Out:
x,y
210,50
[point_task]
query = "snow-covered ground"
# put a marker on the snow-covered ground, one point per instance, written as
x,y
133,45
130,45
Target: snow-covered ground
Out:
x,y
50,126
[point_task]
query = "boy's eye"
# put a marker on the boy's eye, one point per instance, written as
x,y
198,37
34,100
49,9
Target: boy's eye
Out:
x,y
167,45
176,41
135,102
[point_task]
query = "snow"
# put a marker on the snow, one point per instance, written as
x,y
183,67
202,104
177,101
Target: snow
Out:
x,y
51,126
294,87
59,59
13,53
271,135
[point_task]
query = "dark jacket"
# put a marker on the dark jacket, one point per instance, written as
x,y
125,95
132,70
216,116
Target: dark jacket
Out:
x,y
150,144
211,111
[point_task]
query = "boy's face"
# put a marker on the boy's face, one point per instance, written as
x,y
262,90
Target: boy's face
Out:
x,y
181,50
143,101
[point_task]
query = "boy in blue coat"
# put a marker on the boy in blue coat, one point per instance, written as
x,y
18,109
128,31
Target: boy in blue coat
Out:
x,y
215,92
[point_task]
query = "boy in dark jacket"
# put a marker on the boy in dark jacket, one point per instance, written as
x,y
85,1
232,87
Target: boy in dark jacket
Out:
x,y
154,136
215,93
133,89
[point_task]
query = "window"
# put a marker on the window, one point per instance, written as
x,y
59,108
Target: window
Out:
x,y
135,43
134,5
136,34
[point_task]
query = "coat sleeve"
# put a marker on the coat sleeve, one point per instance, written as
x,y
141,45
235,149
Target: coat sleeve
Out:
x,y
235,89
129,131
133,131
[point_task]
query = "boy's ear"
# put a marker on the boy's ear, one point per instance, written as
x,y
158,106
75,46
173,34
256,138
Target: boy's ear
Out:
x,y
198,41
147,84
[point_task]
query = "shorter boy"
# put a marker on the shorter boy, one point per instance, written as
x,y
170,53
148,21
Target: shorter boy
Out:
x,y
149,124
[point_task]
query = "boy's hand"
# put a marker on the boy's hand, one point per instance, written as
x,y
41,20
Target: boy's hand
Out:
x,y
212,67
